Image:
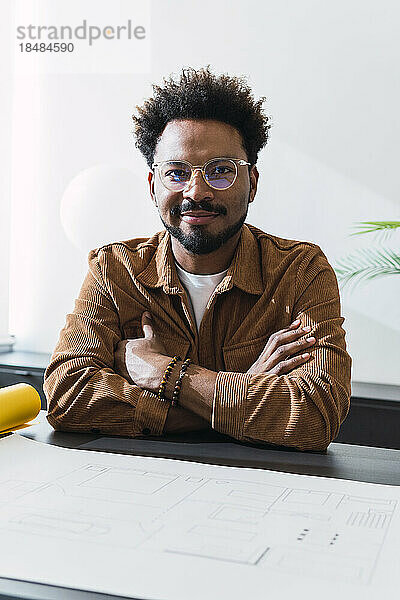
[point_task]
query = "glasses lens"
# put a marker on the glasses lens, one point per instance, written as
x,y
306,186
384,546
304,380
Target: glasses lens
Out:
x,y
221,173
175,175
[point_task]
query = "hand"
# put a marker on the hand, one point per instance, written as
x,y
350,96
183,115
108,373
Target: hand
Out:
x,y
142,360
277,356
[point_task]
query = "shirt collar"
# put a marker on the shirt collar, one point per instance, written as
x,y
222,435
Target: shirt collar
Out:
x,y
244,271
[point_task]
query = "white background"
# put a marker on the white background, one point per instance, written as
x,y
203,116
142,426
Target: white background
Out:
x,y
329,71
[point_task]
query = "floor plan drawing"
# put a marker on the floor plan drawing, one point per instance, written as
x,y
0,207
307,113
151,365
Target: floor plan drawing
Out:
x,y
292,526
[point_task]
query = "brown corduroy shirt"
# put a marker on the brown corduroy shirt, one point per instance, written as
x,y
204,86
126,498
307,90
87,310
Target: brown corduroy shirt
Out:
x,y
271,282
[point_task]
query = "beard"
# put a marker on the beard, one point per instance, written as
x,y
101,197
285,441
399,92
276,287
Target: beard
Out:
x,y
199,241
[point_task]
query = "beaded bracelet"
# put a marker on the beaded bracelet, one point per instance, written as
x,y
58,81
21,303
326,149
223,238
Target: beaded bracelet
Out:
x,y
178,384
166,375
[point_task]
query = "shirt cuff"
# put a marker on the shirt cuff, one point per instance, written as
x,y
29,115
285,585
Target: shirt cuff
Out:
x,y
150,414
230,394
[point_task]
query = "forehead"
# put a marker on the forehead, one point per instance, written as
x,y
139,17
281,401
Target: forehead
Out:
x,y
199,140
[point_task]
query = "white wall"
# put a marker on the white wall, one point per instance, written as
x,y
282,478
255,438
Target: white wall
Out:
x,y
5,165
330,74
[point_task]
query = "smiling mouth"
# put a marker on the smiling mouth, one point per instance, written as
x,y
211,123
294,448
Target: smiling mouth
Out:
x,y
198,217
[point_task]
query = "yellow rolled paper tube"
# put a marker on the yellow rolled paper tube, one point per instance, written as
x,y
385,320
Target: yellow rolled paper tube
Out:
x,y
19,404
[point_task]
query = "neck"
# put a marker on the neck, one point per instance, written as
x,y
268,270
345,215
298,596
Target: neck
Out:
x,y
205,264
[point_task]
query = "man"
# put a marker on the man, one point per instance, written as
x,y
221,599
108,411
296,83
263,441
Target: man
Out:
x,y
258,315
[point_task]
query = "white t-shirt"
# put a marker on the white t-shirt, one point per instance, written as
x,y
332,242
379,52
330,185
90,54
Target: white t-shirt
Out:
x,y
199,289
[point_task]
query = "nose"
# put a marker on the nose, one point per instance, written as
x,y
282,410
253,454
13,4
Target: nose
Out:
x,y
197,189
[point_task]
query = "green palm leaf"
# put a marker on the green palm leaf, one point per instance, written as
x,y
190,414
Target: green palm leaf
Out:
x,y
367,264
385,227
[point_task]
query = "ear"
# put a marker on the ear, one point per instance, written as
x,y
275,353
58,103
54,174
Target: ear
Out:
x,y
254,174
150,179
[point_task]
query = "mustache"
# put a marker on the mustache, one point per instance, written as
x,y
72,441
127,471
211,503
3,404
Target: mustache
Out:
x,y
205,206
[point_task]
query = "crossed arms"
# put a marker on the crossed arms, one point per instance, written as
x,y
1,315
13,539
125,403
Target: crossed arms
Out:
x,y
97,382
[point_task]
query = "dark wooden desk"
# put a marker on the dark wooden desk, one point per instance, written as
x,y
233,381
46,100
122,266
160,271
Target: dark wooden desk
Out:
x,y
341,461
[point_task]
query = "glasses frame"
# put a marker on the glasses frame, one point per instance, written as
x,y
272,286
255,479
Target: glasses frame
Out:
x,y
236,161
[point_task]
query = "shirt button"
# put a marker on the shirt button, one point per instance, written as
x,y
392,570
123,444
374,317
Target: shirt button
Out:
x,y
146,431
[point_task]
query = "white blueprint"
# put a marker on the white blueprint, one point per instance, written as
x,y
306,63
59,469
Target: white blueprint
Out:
x,y
166,529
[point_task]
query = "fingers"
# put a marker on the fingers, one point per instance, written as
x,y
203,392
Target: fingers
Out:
x,y
147,325
286,349
292,343
287,366
289,333
281,340
285,352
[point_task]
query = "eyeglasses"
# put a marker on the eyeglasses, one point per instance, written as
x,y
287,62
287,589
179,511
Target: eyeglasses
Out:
x,y
218,173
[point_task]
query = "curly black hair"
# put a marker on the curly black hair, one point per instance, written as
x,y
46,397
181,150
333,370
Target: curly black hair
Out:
x,y
199,94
